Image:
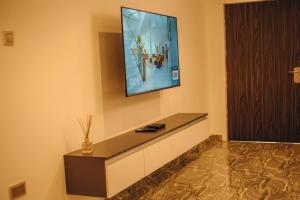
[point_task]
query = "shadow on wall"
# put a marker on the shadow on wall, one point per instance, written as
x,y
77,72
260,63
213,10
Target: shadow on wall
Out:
x,y
120,112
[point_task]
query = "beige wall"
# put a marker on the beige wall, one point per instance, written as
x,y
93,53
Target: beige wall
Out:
x,y
56,72
61,68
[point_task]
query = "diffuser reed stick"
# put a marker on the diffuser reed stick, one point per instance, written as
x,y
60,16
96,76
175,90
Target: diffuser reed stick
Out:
x,y
85,127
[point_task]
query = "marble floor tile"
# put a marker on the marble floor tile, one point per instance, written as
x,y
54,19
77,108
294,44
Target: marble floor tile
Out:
x,y
235,171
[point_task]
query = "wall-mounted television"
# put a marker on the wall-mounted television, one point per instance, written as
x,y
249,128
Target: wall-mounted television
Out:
x,y
150,44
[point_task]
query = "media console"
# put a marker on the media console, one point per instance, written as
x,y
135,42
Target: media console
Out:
x,y
121,161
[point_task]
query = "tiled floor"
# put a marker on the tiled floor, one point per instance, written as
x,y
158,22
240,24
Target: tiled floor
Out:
x,y
237,171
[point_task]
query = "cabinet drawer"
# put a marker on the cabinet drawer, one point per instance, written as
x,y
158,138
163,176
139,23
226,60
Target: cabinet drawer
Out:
x,y
188,138
157,155
124,172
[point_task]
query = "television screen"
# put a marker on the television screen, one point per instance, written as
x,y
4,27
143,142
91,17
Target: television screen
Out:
x,y
150,50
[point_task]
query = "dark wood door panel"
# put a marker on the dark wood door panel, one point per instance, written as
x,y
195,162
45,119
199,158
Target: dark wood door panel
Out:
x,y
285,54
263,103
277,50
269,87
244,79
297,63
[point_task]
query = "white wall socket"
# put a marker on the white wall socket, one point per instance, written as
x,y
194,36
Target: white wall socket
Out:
x,y
17,190
8,38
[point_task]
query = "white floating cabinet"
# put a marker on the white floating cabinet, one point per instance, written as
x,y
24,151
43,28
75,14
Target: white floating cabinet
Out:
x,y
119,162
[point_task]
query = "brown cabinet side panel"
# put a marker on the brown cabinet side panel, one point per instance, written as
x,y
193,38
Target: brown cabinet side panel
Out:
x,y
85,176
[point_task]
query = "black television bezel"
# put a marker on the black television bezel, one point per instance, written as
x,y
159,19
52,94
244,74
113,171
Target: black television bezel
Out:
x,y
124,62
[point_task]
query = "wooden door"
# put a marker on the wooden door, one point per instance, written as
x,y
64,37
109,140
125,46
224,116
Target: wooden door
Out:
x,y
262,45
296,60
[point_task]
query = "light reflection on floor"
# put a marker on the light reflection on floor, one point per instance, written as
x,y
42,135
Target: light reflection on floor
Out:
x,y
236,171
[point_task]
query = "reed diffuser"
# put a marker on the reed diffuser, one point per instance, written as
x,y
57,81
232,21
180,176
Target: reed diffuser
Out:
x,y
85,124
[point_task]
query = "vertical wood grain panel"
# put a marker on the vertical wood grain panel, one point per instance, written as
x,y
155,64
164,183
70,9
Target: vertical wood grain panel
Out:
x,y
269,73
244,70
285,19
297,63
263,103
231,71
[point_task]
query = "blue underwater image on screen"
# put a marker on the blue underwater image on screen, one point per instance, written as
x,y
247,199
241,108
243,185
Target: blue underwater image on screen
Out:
x,y
151,51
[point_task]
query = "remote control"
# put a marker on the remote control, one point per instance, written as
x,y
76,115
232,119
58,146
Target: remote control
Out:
x,y
146,129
